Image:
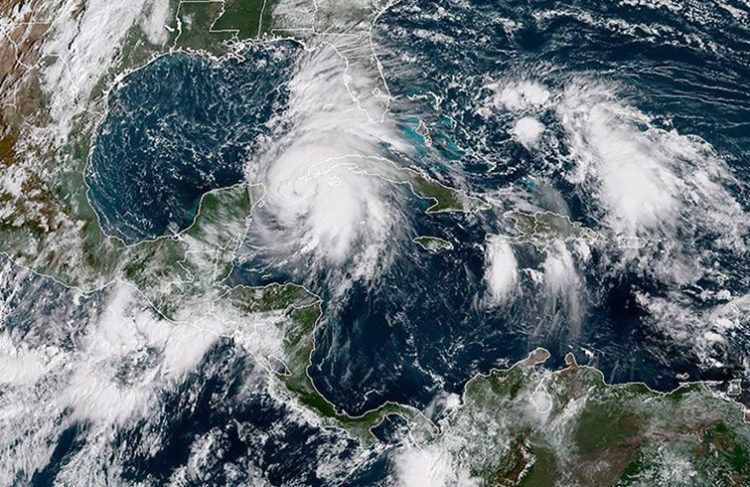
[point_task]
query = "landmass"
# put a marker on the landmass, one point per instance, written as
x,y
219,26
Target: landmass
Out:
x,y
433,244
46,220
528,425
445,198
544,227
345,27
51,228
302,313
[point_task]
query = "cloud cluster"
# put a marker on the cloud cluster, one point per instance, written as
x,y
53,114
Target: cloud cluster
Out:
x,y
324,204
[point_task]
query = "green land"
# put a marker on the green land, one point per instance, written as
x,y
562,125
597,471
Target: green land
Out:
x,y
433,244
302,312
207,26
534,427
522,426
445,198
542,228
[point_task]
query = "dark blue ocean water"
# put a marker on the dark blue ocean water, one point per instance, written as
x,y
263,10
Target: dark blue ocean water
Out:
x,y
177,128
182,126
222,406
422,317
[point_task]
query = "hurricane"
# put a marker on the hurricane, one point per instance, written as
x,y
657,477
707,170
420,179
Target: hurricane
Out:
x,y
476,243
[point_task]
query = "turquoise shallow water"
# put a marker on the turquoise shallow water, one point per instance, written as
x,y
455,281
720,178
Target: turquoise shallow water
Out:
x,y
674,80
669,79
